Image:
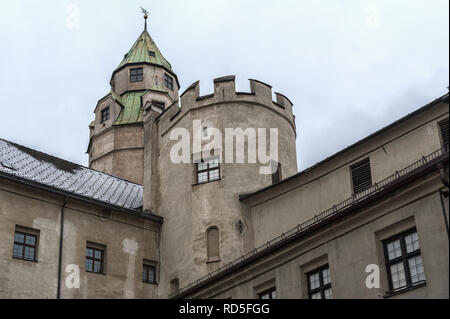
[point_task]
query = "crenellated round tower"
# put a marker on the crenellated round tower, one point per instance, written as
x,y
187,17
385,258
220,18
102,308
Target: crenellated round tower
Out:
x,y
205,224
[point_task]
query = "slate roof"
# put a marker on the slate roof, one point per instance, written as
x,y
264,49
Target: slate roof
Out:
x,y
140,53
41,169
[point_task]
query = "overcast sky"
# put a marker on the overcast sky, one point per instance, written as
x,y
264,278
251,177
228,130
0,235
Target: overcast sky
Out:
x,y
350,67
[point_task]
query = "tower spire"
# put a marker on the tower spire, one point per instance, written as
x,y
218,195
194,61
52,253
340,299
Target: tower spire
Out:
x,y
145,12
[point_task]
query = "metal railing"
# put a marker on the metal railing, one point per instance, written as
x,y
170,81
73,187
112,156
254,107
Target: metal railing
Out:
x,y
333,211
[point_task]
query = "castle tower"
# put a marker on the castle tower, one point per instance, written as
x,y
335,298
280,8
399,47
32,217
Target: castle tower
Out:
x,y
205,225
116,135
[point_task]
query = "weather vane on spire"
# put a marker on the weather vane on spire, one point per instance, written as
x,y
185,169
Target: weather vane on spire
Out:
x,y
145,12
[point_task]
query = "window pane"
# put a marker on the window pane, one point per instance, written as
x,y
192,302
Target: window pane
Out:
x,y
151,274
394,250
412,243
326,276
274,294
89,252
17,251
214,163
98,254
30,240
97,266
314,281
202,177
317,295
88,265
214,175
398,276
19,238
416,269
202,166
29,253
144,274
264,296
328,294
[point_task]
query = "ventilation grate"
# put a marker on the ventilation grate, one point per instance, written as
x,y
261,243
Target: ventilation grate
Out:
x,y
444,134
361,177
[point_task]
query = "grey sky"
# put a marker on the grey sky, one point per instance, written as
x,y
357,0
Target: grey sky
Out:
x,y
350,67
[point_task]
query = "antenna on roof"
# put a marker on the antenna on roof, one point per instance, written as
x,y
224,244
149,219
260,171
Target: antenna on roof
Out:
x,y
145,12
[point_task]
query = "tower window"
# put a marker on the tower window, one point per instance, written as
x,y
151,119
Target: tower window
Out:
x,y
208,171
25,244
212,238
404,263
444,133
136,75
151,53
168,81
158,105
319,283
149,274
95,258
105,115
361,177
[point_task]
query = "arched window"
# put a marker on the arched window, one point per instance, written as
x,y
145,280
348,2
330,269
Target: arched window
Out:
x,y
212,244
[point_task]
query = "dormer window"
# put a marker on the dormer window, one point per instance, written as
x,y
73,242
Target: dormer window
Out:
x,y
136,75
105,115
151,53
168,81
158,105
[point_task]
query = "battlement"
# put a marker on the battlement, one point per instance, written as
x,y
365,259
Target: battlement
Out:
x,y
225,92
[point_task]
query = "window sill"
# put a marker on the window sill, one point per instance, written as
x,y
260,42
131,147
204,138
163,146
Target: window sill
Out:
x,y
95,273
406,289
213,261
150,283
199,184
27,260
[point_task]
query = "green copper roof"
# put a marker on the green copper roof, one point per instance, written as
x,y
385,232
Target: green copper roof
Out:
x,y
132,111
145,50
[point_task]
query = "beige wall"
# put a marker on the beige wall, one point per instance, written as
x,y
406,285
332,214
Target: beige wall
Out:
x,y
119,151
27,207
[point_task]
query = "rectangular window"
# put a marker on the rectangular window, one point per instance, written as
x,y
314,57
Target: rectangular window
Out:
x,y
136,75
444,134
149,274
105,115
25,244
268,294
95,258
361,176
404,263
151,53
168,81
208,171
319,283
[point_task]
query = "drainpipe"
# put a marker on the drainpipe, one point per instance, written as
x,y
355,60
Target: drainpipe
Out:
x,y
61,238
444,194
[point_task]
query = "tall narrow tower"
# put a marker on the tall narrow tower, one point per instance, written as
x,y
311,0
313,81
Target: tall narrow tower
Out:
x,y
116,135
